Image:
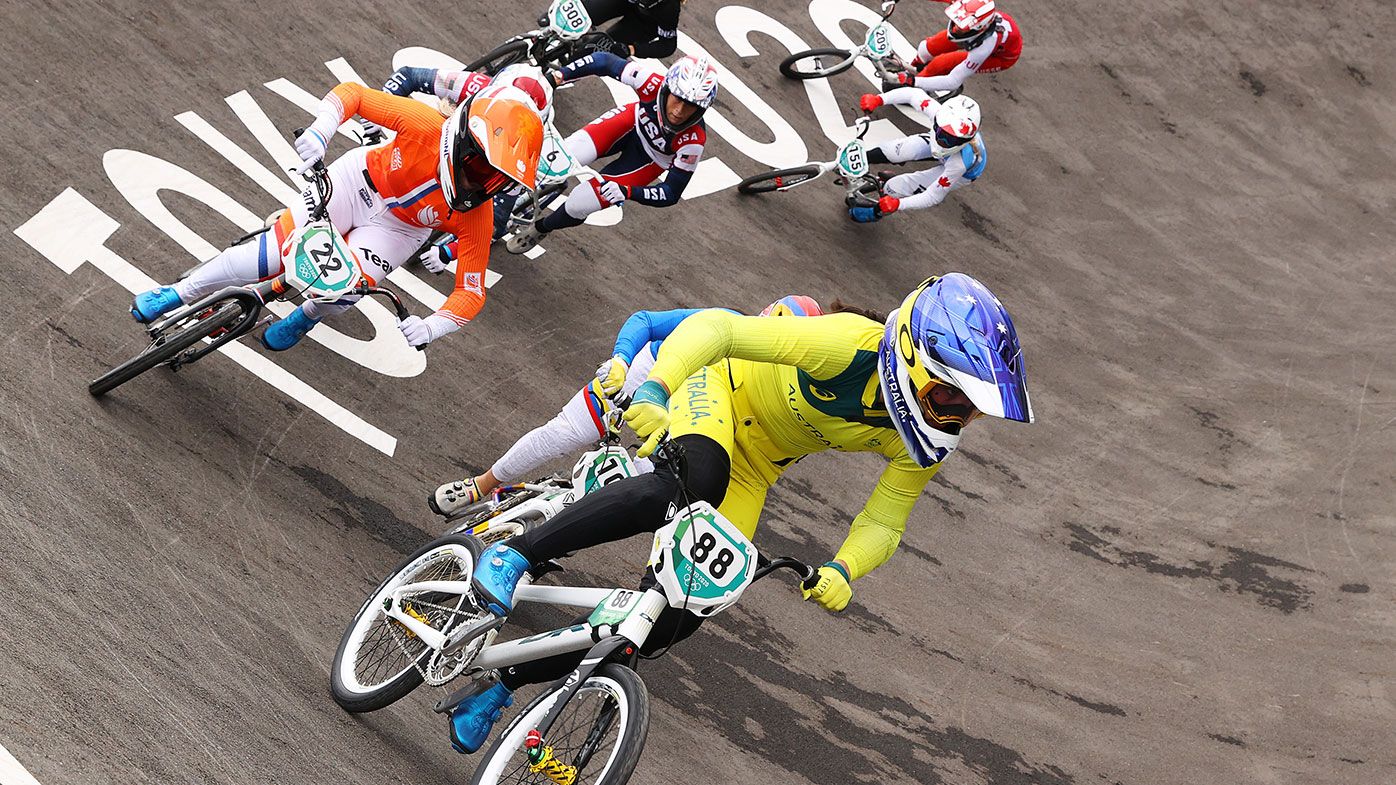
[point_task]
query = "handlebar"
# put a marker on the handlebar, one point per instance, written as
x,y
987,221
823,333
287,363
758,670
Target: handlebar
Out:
x,y
808,575
862,124
888,6
391,296
319,176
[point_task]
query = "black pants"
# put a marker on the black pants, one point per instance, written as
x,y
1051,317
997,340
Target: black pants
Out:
x,y
620,510
640,29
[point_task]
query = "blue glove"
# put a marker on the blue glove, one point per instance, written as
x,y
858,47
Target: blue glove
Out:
x,y
864,215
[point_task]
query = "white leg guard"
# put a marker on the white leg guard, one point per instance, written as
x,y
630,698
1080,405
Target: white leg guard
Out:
x,y
572,430
241,264
639,370
583,201
912,183
907,148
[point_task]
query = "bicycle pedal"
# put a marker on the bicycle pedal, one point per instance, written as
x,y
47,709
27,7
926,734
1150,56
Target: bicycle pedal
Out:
x,y
539,570
446,704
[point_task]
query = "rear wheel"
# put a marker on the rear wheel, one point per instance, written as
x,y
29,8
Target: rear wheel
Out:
x,y
501,57
817,63
169,344
380,661
601,732
778,180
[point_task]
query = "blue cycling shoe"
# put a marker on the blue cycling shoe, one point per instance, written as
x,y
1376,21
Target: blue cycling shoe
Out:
x,y
151,305
864,215
497,575
472,718
285,333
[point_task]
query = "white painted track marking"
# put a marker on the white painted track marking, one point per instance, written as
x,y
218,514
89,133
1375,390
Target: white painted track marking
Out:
x,y
11,772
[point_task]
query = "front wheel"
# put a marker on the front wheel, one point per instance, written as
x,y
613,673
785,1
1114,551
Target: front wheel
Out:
x,y
379,660
778,180
169,344
817,63
600,732
501,57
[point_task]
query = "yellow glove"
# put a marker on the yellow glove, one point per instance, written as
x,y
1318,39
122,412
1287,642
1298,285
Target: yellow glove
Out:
x,y
648,415
832,591
611,375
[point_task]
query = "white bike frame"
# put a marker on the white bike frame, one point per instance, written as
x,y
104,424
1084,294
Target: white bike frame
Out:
x,y
635,627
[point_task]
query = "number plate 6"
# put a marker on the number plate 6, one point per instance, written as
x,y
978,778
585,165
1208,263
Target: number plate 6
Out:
x,y
702,560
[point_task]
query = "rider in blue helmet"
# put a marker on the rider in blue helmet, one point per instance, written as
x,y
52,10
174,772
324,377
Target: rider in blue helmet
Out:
x,y
743,399
950,353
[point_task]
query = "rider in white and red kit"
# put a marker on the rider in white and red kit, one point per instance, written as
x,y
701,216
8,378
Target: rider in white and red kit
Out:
x,y
978,39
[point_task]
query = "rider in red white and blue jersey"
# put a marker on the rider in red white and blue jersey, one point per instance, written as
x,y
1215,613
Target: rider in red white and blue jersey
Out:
x,y
660,135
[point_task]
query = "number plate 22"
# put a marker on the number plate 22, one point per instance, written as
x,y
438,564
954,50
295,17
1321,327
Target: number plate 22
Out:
x,y
318,264
703,562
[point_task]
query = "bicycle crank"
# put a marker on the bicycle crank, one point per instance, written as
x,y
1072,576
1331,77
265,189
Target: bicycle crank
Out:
x,y
541,760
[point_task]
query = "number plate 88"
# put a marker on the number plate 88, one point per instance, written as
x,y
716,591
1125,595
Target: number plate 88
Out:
x,y
702,560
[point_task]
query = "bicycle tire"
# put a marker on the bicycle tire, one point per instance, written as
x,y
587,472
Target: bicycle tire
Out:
x,y
501,57
228,312
778,179
394,689
630,742
789,67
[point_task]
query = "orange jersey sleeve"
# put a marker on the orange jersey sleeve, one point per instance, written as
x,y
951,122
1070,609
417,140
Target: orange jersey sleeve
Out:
x,y
403,115
472,229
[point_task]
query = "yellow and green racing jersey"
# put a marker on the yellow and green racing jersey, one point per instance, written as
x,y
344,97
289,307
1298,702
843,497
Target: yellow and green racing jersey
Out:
x,y
806,385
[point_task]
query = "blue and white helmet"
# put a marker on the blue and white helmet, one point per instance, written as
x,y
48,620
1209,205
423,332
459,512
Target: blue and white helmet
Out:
x,y
949,354
692,80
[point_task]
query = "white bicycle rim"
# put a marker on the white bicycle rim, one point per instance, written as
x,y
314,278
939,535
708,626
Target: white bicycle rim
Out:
x,y
512,743
371,613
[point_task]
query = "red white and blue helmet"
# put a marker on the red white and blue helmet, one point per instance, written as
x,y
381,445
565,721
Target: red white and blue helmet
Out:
x,y
951,333
793,305
692,80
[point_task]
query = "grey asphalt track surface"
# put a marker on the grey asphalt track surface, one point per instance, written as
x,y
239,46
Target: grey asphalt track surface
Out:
x,y
1184,572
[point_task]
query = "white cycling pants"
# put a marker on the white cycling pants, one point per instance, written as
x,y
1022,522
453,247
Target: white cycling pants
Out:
x,y
379,240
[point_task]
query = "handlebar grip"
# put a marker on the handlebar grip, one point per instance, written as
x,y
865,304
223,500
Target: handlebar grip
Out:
x,y
812,580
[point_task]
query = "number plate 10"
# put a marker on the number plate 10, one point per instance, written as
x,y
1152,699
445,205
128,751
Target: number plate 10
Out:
x,y
702,560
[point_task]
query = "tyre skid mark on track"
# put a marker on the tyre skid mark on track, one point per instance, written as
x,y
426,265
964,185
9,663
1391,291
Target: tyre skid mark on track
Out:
x,y
1244,571
733,698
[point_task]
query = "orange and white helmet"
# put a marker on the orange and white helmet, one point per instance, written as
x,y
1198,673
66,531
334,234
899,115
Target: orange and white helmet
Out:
x,y
970,20
489,143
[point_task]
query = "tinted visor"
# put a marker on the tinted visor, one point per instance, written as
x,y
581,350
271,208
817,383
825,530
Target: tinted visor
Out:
x,y
946,139
945,406
475,180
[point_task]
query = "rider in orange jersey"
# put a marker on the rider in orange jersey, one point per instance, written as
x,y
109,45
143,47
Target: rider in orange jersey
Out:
x,y
436,174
